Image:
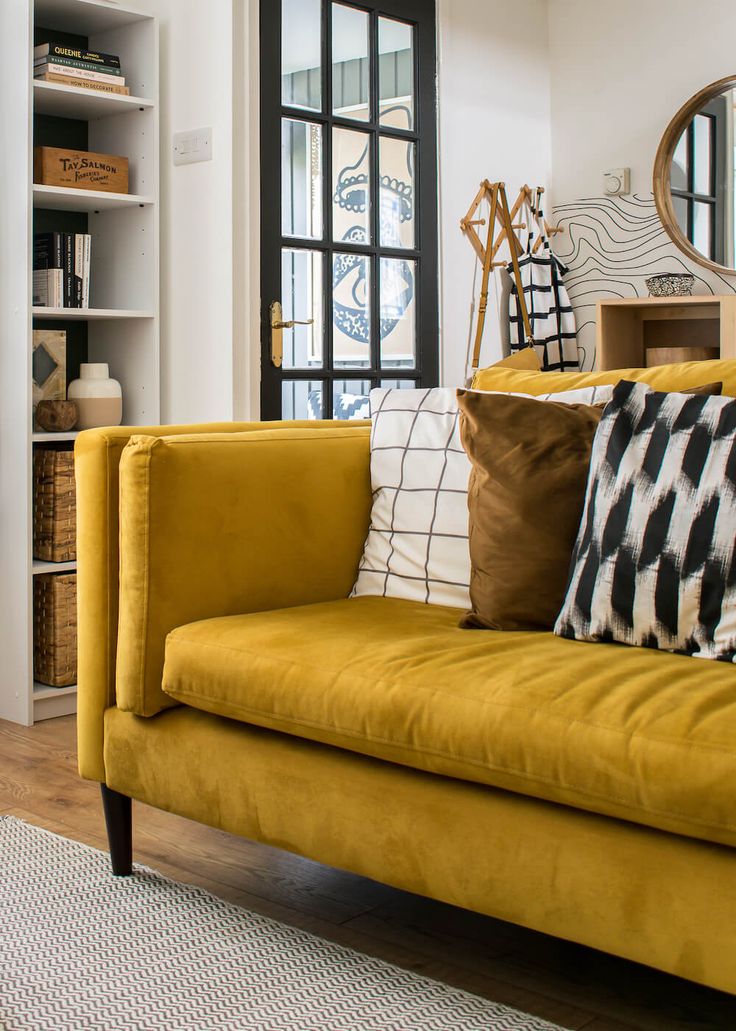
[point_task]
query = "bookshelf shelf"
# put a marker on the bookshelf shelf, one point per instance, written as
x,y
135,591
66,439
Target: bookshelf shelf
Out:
x,y
56,198
52,567
85,17
49,702
89,314
48,438
41,691
52,98
122,326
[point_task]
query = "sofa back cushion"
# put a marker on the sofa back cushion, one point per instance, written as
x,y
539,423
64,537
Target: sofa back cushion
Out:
x,y
678,376
219,524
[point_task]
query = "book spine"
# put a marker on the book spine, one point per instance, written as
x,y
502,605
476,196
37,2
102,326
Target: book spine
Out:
x,y
56,283
78,269
48,251
40,289
87,268
99,87
56,50
78,73
85,66
69,292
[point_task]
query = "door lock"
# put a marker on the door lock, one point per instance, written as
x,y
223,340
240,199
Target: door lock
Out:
x,y
277,331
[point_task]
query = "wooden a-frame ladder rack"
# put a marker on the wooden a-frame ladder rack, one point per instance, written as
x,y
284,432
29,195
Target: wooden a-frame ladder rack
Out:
x,y
503,217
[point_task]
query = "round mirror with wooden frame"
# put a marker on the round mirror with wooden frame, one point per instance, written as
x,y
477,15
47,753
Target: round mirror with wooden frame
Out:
x,y
694,177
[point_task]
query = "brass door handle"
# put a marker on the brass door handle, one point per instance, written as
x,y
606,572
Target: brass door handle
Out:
x,y
277,332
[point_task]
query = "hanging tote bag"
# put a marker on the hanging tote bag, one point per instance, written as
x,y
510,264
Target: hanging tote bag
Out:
x,y
550,312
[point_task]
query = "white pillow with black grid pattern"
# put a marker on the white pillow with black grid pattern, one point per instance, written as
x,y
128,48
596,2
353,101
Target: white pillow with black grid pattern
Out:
x,y
417,544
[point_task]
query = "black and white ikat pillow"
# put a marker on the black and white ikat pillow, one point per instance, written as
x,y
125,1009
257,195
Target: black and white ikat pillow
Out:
x,y
654,564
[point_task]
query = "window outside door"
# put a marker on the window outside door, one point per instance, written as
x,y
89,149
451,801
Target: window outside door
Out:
x,y
349,204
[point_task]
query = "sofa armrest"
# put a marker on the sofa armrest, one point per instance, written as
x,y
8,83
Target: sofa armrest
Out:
x,y
216,525
97,460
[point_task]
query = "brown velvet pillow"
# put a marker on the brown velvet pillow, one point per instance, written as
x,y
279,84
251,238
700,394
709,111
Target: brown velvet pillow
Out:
x,y
525,498
526,492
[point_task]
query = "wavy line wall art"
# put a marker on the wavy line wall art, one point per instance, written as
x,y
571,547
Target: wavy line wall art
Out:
x,y
610,246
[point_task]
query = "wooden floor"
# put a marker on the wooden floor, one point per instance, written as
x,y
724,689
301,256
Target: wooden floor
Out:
x,y
566,984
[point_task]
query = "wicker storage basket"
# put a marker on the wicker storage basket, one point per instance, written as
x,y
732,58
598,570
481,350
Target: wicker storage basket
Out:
x,y
54,505
55,629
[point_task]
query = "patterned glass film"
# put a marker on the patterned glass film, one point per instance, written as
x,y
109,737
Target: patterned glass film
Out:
x,y
398,313
302,399
396,73
301,54
351,322
350,63
350,399
396,163
301,179
351,190
303,299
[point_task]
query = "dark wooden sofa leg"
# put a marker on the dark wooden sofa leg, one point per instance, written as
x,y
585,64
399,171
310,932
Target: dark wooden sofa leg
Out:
x,y
119,823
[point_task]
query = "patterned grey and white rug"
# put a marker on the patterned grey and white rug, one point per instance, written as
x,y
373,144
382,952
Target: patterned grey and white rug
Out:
x,y
80,949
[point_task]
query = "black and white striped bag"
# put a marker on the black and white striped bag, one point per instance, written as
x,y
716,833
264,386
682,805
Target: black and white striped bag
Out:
x,y
554,334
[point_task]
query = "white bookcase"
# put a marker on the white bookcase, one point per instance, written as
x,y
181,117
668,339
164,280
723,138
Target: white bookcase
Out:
x,y
121,326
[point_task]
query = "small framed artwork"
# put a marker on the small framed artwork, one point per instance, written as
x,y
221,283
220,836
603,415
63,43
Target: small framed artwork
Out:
x,y
49,366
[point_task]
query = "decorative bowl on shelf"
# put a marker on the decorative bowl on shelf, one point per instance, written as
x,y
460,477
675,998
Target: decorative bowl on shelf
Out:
x,y
670,284
57,416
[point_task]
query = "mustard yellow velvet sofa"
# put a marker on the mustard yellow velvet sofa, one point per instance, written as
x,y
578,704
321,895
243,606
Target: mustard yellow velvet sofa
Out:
x,y
588,791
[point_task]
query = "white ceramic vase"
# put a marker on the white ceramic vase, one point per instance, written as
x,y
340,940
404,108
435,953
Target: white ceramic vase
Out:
x,y
99,399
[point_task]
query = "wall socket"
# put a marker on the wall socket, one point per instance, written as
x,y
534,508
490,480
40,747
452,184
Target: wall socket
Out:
x,y
617,182
192,145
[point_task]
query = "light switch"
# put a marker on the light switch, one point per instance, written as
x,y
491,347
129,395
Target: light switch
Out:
x,y
192,145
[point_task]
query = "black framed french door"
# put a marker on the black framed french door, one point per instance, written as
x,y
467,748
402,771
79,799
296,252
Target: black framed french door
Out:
x,y
348,203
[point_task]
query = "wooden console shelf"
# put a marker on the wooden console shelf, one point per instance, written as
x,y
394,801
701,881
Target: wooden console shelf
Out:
x,y
628,327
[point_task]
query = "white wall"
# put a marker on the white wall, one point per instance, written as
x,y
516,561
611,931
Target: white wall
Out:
x,y
619,72
494,115
618,75
197,212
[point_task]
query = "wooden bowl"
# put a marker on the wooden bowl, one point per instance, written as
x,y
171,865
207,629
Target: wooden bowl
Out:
x,y
56,416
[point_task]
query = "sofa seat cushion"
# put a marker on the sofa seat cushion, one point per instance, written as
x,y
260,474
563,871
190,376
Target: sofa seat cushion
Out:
x,y
632,733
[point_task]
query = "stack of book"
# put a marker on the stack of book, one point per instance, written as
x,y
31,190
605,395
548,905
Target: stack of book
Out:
x,y
61,266
56,62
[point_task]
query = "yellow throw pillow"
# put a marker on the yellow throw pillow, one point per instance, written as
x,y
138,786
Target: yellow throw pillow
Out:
x,y
527,359
676,377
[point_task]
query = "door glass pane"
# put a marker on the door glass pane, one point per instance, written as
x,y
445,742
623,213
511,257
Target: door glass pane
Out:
x,y
398,314
350,399
679,164
351,208
680,206
302,298
301,54
351,322
396,169
301,179
702,227
395,73
350,92
399,384
302,399
703,178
